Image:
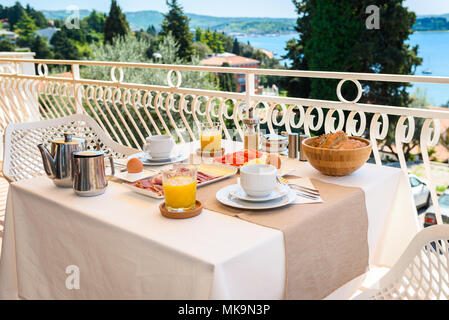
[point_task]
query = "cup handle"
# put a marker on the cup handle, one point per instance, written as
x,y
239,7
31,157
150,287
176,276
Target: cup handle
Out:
x,y
111,160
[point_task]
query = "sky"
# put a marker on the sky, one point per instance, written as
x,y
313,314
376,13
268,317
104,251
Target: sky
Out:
x,y
228,8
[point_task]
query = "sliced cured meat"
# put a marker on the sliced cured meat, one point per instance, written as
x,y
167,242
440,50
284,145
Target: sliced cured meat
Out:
x,y
155,184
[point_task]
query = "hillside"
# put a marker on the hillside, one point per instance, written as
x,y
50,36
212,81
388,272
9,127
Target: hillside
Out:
x,y
142,19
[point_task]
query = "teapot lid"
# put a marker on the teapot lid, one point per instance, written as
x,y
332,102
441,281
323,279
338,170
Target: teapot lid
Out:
x,y
88,154
69,139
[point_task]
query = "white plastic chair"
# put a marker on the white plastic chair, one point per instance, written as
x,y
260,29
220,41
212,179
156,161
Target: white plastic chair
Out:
x,y
422,272
22,159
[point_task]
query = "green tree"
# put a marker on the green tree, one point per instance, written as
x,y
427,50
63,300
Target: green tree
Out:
x,y
228,42
152,30
333,37
6,46
95,21
236,49
14,14
39,45
38,17
217,44
131,48
177,23
201,49
115,24
26,28
227,81
63,47
247,50
199,35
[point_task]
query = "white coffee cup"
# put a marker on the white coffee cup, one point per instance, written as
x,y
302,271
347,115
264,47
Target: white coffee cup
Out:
x,y
159,146
258,180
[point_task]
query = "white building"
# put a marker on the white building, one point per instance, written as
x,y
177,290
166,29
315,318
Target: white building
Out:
x,y
8,35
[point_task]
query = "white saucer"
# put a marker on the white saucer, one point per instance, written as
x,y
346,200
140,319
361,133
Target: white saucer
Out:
x,y
172,156
134,177
279,191
181,157
227,199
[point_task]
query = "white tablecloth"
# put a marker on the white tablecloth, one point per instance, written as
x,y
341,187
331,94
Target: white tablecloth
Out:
x,y
125,249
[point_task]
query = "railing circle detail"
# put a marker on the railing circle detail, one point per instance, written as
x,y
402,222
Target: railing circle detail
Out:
x,y
42,70
178,79
359,91
121,74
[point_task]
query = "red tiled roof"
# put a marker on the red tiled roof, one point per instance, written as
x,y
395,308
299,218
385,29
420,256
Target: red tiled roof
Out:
x,y
234,61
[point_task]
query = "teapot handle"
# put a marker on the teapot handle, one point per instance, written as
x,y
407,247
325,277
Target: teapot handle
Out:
x,y
111,160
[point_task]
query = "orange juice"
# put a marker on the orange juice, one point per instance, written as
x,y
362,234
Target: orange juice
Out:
x,y
211,141
180,193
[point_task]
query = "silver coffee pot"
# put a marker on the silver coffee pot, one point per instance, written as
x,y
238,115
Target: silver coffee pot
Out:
x,y
89,173
58,162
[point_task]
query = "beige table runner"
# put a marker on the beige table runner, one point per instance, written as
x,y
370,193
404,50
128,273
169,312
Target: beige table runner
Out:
x,y
326,244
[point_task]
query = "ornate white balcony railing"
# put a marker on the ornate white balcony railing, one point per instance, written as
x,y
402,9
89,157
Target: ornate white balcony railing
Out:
x,y
129,112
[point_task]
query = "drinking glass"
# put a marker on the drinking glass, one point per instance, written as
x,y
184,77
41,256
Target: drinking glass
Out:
x,y
179,186
211,137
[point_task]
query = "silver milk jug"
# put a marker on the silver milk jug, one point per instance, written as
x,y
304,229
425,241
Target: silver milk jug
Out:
x,y
89,173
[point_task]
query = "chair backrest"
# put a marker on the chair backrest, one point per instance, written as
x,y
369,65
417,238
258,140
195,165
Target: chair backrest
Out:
x,y
421,273
22,159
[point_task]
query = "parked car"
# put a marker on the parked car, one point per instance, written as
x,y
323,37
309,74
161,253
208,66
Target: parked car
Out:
x,y
430,219
421,192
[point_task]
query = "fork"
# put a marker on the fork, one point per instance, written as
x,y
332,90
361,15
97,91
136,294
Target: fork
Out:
x,y
305,190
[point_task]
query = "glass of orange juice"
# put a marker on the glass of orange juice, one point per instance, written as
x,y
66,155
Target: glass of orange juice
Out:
x,y
211,137
179,186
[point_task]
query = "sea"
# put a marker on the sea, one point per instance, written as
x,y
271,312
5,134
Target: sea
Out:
x,y
433,48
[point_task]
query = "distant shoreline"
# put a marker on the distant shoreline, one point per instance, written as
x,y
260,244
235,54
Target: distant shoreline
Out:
x,y
431,31
249,35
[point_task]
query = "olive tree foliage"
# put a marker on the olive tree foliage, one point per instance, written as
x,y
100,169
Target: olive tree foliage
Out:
x,y
131,49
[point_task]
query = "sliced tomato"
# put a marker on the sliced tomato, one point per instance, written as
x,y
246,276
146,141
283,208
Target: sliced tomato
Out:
x,y
239,158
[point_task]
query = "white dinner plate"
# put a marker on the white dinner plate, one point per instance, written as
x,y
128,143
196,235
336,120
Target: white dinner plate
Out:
x,y
134,177
227,199
278,192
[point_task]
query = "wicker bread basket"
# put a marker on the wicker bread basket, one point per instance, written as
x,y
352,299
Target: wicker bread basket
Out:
x,y
336,162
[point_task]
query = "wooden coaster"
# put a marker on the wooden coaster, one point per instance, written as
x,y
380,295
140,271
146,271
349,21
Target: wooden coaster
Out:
x,y
210,154
182,215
